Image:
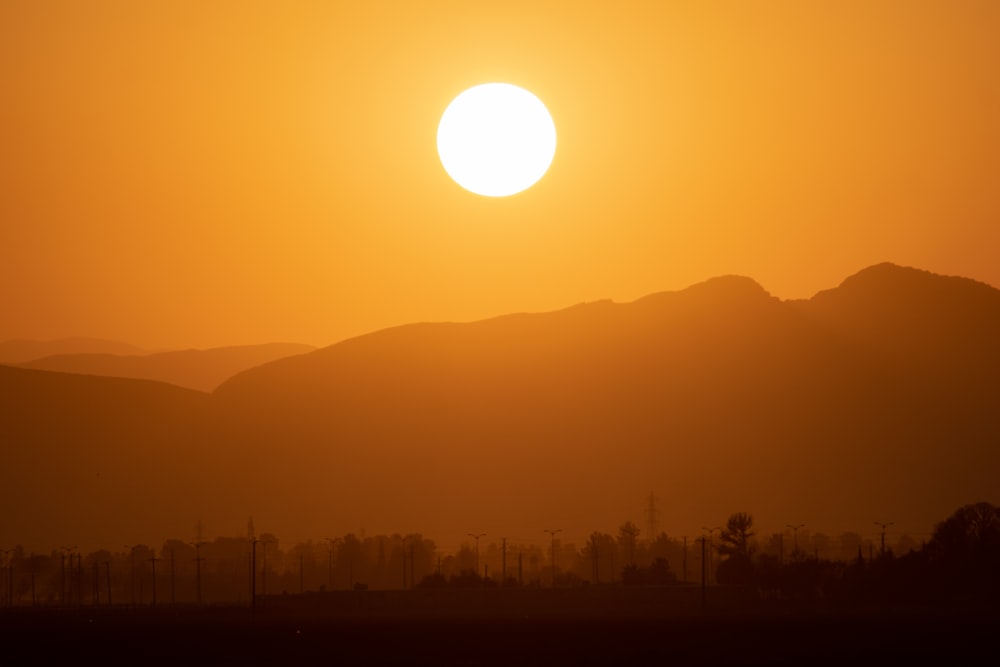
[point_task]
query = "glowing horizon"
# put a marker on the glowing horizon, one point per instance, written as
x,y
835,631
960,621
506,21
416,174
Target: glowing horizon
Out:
x,y
195,176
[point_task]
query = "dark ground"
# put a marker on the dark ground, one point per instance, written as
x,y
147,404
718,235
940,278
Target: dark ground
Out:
x,y
443,629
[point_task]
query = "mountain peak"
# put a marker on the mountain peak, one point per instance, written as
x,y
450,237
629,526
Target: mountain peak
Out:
x,y
731,284
716,291
913,312
887,282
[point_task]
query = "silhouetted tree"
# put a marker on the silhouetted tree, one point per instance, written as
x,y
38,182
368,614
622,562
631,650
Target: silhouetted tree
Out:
x,y
735,543
468,579
628,536
351,562
658,573
965,549
632,575
735,537
970,535
433,580
605,548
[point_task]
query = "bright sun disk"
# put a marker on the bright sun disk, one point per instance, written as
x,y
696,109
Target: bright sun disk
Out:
x,y
496,139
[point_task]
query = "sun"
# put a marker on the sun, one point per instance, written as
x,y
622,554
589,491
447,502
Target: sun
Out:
x,y
496,139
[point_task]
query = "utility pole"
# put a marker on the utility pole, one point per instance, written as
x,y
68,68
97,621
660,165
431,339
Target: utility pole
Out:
x,y
131,572
333,541
198,541
329,568
884,526
595,570
402,548
476,537
107,580
153,559
62,578
503,561
66,583
252,563
173,580
552,532
8,596
795,536
263,566
78,577
253,573
703,571
710,531
684,561
197,570
8,577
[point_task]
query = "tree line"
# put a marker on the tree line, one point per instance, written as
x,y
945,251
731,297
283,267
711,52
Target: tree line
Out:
x,y
960,562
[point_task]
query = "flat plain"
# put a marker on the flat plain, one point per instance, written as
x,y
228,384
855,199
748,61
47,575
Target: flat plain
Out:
x,y
421,628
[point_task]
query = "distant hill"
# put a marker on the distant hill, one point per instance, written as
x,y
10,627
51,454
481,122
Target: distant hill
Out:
x,y
19,351
203,370
92,461
872,401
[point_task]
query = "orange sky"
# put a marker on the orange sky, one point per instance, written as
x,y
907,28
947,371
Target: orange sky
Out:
x,y
208,173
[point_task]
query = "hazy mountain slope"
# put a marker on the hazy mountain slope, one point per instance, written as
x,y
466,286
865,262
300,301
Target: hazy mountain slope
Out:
x,y
95,461
874,401
19,351
719,398
203,370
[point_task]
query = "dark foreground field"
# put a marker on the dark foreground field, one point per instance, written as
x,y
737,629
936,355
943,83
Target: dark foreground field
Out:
x,y
460,631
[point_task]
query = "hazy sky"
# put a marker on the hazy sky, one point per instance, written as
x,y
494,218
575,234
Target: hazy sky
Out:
x,y
206,173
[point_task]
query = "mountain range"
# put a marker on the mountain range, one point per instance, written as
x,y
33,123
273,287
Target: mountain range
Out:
x,y
870,402
20,350
203,370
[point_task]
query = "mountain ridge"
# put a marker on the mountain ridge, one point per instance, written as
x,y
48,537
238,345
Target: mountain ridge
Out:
x,y
201,369
19,350
718,398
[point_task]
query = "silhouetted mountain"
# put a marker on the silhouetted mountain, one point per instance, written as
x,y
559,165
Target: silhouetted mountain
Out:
x,y
874,401
853,406
19,351
915,316
203,370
